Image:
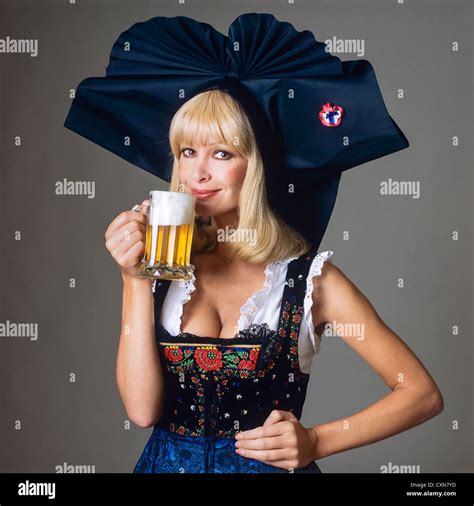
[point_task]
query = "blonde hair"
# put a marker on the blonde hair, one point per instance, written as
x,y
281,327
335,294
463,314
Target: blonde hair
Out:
x,y
215,113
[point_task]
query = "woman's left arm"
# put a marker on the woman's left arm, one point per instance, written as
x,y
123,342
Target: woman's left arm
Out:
x,y
414,396
283,441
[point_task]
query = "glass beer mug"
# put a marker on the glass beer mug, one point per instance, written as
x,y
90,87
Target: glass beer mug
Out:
x,y
169,235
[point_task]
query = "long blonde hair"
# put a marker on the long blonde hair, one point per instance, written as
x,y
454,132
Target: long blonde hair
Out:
x,y
215,113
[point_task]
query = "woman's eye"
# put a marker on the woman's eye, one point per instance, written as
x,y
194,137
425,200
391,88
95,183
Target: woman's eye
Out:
x,y
226,155
222,155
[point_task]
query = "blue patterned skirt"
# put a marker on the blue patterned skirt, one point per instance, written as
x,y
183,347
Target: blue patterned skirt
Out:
x,y
169,452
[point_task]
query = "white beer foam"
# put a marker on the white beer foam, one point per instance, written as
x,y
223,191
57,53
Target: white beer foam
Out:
x,y
171,208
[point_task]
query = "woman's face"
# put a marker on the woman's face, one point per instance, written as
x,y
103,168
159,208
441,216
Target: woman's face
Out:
x,y
217,168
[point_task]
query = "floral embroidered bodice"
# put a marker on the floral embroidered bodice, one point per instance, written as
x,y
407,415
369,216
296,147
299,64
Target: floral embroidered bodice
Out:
x,y
263,306
219,386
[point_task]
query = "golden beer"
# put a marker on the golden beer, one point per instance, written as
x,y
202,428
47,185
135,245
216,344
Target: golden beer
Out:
x,y
169,235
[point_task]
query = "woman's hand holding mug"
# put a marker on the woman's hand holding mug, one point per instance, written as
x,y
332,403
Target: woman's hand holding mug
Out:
x,y
125,240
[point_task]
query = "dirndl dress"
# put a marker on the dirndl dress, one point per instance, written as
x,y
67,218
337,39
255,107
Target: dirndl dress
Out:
x,y
217,387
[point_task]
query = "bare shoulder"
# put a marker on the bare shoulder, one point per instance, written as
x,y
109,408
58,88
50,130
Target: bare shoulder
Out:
x,y
335,296
331,278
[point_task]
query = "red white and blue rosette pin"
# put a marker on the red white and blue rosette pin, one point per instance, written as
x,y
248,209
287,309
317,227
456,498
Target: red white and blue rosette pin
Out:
x,y
331,115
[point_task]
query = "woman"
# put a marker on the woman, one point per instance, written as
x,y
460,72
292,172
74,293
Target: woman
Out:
x,y
225,397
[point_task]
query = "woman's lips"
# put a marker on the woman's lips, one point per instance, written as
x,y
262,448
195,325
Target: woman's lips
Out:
x,y
204,194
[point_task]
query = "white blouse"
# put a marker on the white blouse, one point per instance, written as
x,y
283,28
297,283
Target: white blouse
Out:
x,y
263,306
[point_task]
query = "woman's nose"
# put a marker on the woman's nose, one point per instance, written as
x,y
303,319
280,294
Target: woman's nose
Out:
x,y
200,168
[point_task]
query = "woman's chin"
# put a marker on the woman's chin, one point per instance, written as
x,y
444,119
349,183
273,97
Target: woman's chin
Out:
x,y
203,210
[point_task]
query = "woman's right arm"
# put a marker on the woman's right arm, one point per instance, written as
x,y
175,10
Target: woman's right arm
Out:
x,y
138,373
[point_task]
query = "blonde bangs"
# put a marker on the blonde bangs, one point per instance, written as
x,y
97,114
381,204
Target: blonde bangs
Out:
x,y
211,115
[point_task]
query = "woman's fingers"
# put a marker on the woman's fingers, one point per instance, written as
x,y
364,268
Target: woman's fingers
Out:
x,y
125,239
265,455
128,242
275,429
145,205
123,219
263,443
133,254
126,217
121,240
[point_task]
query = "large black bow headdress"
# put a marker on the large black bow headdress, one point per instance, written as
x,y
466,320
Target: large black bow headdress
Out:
x,y
314,116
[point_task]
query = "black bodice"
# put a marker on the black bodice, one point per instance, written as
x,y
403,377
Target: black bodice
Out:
x,y
220,386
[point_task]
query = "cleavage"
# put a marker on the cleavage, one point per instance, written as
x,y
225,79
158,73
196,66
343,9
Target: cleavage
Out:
x,y
214,307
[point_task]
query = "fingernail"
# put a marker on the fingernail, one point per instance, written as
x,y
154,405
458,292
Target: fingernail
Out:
x,y
238,444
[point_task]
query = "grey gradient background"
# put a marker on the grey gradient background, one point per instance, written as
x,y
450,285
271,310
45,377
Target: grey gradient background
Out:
x,y
390,237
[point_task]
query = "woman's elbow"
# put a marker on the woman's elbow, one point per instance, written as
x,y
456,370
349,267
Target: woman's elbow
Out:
x,y
434,402
439,403
144,420
144,423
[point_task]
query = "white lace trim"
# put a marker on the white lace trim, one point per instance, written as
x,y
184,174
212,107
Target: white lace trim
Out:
x,y
314,270
253,303
189,287
250,307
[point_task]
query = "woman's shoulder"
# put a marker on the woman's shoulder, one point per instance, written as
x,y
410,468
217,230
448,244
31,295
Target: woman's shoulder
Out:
x,y
324,277
323,271
332,288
